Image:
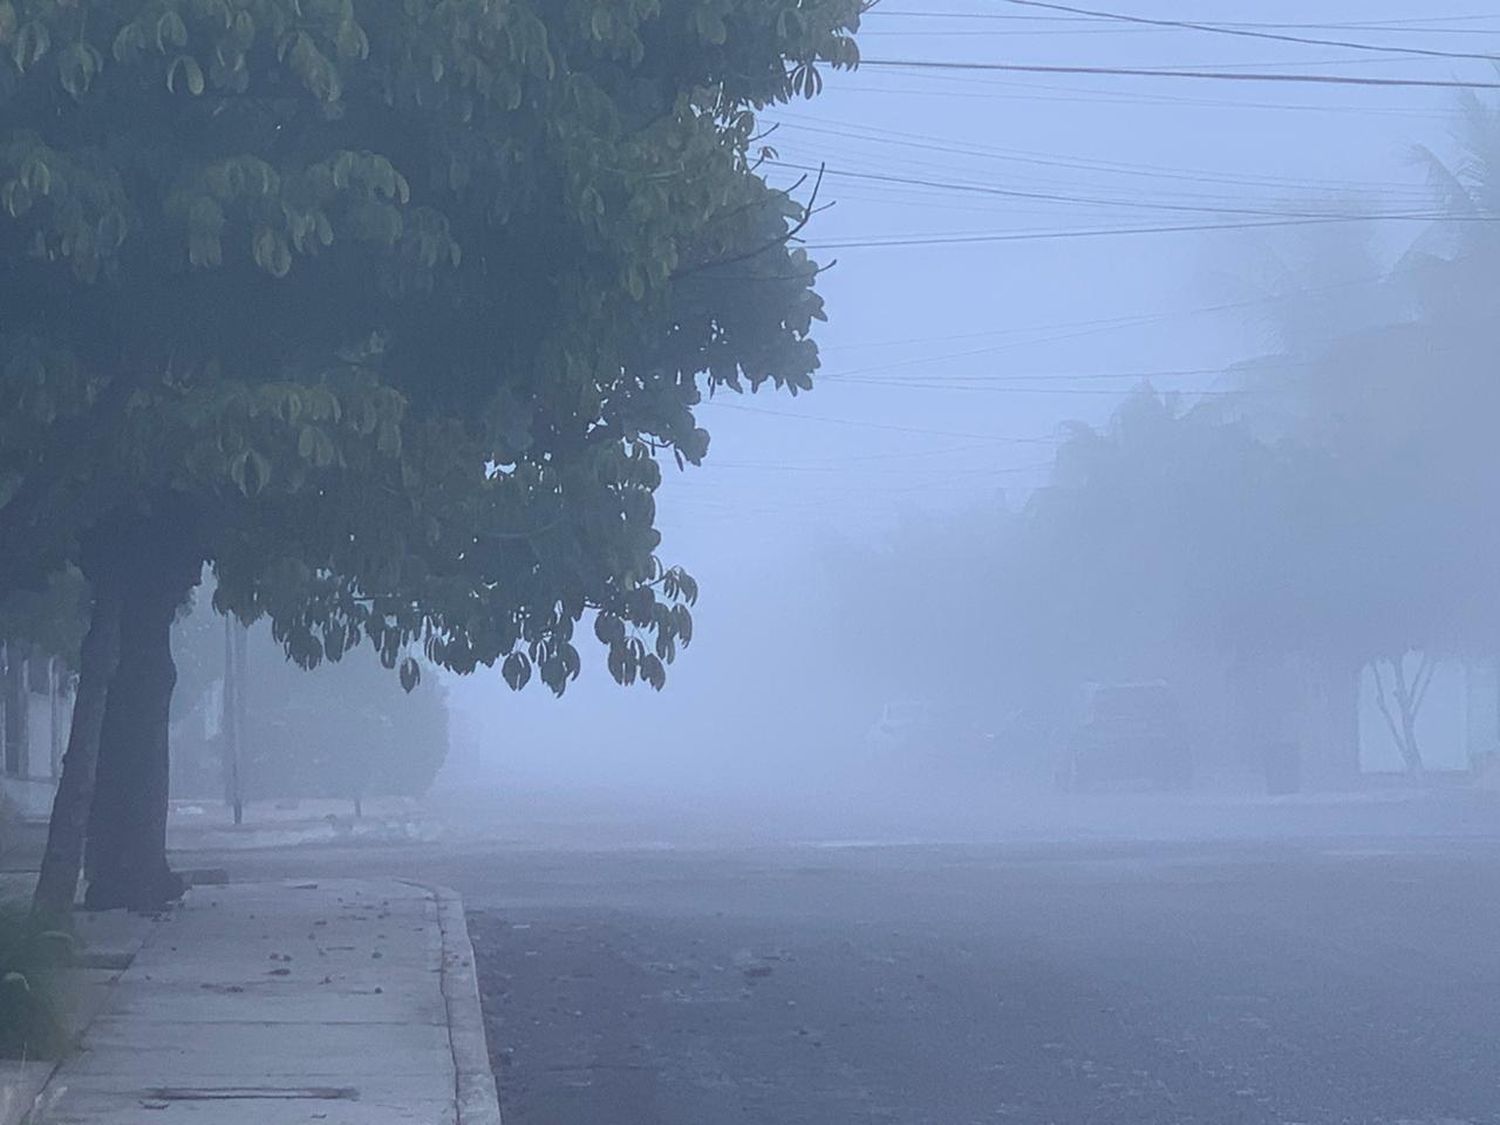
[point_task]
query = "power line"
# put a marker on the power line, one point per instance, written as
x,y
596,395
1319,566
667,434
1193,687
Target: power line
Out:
x,y
1028,91
1092,201
840,460
895,138
1102,232
903,469
1201,75
1407,24
989,379
887,426
1032,33
989,388
1247,33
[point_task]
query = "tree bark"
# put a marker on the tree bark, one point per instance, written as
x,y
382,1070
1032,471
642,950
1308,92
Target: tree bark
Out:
x,y
154,565
128,828
58,882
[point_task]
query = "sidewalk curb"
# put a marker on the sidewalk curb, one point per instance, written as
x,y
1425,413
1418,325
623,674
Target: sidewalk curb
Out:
x,y
474,1081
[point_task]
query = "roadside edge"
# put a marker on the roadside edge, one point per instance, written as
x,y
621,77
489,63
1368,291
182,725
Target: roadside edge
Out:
x,y
474,1082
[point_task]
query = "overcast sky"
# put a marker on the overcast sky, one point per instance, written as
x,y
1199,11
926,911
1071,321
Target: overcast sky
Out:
x,y
949,365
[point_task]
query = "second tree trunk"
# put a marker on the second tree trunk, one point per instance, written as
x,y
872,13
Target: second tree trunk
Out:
x,y
154,571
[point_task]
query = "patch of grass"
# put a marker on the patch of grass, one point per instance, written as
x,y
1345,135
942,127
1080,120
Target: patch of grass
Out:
x,y
33,955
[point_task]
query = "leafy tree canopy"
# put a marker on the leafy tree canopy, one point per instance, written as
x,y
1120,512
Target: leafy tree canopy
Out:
x,y
390,304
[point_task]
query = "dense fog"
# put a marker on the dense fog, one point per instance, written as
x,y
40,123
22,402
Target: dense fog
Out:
x,y
1250,464
679,562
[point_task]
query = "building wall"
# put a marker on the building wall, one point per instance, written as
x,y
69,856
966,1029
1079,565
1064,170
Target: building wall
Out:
x,y
45,731
1482,712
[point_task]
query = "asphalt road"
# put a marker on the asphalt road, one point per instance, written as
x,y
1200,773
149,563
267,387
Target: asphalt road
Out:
x,y
1233,981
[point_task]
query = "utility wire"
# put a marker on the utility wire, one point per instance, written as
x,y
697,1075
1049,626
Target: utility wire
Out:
x,y
890,427
1104,392
846,130
1202,75
1246,33
951,31
1095,201
988,379
1102,232
1410,23
1030,92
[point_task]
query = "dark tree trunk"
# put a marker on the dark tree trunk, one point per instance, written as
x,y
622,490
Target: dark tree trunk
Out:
x,y
58,882
154,566
128,828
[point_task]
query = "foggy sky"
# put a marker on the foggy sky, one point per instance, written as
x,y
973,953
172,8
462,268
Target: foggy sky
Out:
x,y
852,456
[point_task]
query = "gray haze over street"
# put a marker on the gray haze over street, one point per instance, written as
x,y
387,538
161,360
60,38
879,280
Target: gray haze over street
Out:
x,y
634,977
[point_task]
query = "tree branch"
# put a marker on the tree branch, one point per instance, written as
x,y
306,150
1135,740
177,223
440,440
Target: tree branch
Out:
x,y
1385,709
797,228
1423,682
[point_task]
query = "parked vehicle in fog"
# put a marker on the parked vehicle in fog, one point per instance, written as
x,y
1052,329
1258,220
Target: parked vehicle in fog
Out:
x,y
1127,733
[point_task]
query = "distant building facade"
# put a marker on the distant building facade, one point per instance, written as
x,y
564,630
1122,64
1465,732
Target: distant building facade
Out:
x,y
36,709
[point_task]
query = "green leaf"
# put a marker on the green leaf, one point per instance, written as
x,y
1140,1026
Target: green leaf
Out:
x,y
516,670
237,465
653,671
411,675
170,31
186,67
76,69
609,629
256,473
244,29
128,42
16,198
33,41
635,283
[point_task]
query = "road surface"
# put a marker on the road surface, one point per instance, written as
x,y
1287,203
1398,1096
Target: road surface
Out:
x,y
1353,981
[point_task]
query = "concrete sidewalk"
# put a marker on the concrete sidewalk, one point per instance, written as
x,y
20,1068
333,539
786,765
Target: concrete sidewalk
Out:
x,y
343,1002
208,826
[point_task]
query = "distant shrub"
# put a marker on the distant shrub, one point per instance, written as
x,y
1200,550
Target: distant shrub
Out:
x,y
32,1012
